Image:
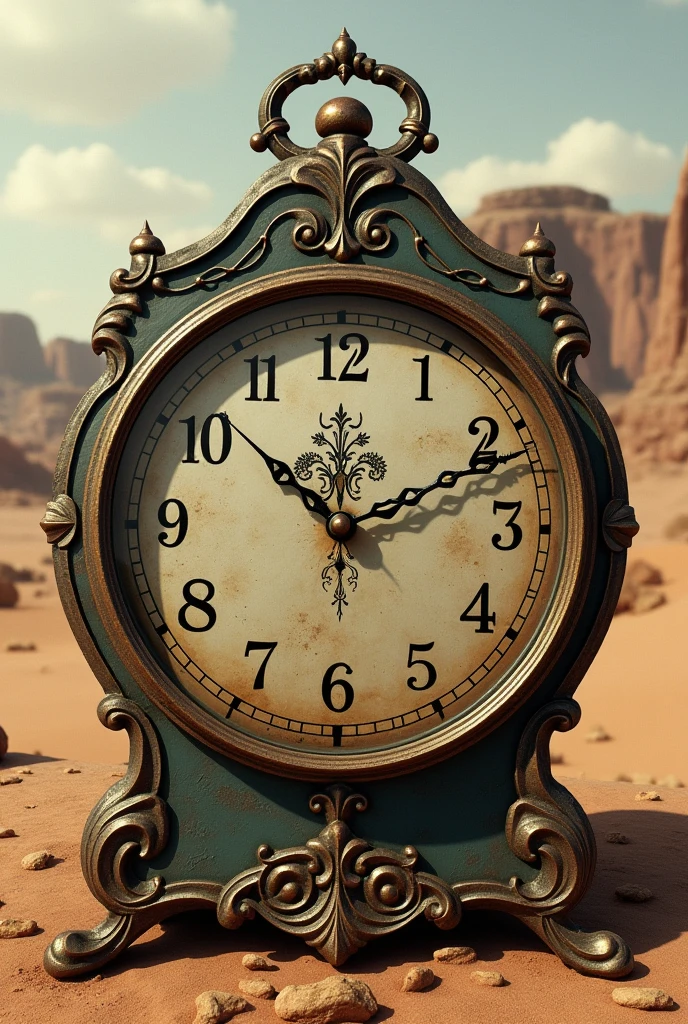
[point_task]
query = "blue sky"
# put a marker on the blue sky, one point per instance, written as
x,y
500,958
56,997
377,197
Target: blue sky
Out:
x,y
110,112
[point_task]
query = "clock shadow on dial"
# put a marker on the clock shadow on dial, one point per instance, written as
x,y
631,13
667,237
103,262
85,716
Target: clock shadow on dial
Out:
x,y
256,611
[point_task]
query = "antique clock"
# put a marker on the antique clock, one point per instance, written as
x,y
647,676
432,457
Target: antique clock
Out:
x,y
339,529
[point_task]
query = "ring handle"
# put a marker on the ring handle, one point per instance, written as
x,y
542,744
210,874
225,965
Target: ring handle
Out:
x,y
345,61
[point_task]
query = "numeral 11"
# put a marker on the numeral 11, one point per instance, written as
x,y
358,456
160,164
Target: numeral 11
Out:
x,y
270,389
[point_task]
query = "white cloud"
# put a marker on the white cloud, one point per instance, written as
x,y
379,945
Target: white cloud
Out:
x,y
93,187
97,61
600,156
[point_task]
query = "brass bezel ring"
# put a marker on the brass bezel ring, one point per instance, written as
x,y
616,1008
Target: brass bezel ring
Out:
x,y
574,578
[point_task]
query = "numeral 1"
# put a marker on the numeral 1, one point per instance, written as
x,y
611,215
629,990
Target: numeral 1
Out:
x,y
424,379
483,617
270,388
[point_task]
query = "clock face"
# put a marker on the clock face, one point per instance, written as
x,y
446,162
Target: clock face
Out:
x,y
311,642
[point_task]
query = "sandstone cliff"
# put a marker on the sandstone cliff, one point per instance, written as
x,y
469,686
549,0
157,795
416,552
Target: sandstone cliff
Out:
x,y
653,419
72,362
21,356
614,259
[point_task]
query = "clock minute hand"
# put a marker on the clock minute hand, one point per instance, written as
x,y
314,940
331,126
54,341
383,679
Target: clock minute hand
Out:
x,y
282,475
447,479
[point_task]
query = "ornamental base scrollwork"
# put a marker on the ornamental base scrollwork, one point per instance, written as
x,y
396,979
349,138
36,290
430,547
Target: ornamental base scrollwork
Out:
x,y
337,892
547,828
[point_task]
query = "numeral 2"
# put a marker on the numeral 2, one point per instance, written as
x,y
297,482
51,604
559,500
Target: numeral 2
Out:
x,y
254,645
253,395
483,617
483,454
361,346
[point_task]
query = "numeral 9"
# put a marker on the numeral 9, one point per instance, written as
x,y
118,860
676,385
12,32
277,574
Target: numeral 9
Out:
x,y
181,523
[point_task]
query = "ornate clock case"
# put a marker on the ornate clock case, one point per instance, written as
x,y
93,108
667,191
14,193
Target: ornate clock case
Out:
x,y
490,827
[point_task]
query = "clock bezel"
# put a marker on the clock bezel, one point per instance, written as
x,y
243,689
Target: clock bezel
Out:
x,y
567,601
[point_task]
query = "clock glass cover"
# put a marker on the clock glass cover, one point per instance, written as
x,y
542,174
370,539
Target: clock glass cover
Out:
x,y
443,492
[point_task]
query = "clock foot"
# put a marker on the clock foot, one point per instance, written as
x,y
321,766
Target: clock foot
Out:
x,y
601,954
78,952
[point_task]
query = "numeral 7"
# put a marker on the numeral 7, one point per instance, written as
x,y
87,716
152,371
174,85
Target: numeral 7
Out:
x,y
253,645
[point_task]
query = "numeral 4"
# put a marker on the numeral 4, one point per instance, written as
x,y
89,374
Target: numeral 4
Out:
x,y
483,616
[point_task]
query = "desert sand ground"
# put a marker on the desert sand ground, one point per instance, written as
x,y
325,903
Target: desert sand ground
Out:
x,y
637,689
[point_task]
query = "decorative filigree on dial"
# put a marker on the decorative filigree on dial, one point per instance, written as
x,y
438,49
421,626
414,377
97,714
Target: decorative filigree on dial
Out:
x,y
340,470
337,892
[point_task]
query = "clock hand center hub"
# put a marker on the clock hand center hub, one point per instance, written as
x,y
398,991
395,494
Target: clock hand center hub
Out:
x,y
341,526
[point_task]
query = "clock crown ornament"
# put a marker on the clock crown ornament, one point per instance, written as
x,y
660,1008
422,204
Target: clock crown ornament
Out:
x,y
262,618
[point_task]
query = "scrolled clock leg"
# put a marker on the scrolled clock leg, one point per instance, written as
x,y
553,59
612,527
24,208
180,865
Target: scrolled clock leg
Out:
x,y
601,954
78,952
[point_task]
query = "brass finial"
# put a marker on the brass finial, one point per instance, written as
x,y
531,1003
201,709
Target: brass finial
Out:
x,y
344,116
538,244
344,51
146,243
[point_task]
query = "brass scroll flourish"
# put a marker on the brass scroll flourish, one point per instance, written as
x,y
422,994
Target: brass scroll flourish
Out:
x,y
547,829
344,61
337,892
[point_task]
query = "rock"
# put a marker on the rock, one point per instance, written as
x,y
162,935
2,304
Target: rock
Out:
x,y
677,529
9,595
556,759
37,861
72,771
10,780
648,599
642,779
256,962
617,837
644,575
633,893
622,777
16,648
335,999
648,794
4,743
257,988
30,807
417,979
216,1007
492,978
614,259
71,361
598,734
455,955
642,998
24,771
7,833
8,572
11,928
671,782
18,473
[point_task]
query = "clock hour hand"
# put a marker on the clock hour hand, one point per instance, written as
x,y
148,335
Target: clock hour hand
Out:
x,y
483,465
282,475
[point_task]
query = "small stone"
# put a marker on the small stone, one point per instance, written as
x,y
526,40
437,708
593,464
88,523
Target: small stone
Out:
x,y
455,955
671,782
256,962
336,999
617,837
4,743
642,998
97,977
16,648
117,775
72,771
492,978
37,861
11,928
30,807
216,1007
417,979
648,794
644,575
648,598
633,893
598,734
10,780
257,988
7,833
622,777
642,779
556,759
24,771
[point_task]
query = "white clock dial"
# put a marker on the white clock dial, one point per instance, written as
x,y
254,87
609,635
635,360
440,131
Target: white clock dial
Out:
x,y
335,643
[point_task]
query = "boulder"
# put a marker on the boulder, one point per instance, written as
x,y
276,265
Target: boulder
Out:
x,y
336,999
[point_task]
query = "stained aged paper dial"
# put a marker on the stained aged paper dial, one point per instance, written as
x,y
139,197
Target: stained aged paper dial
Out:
x,y
339,524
